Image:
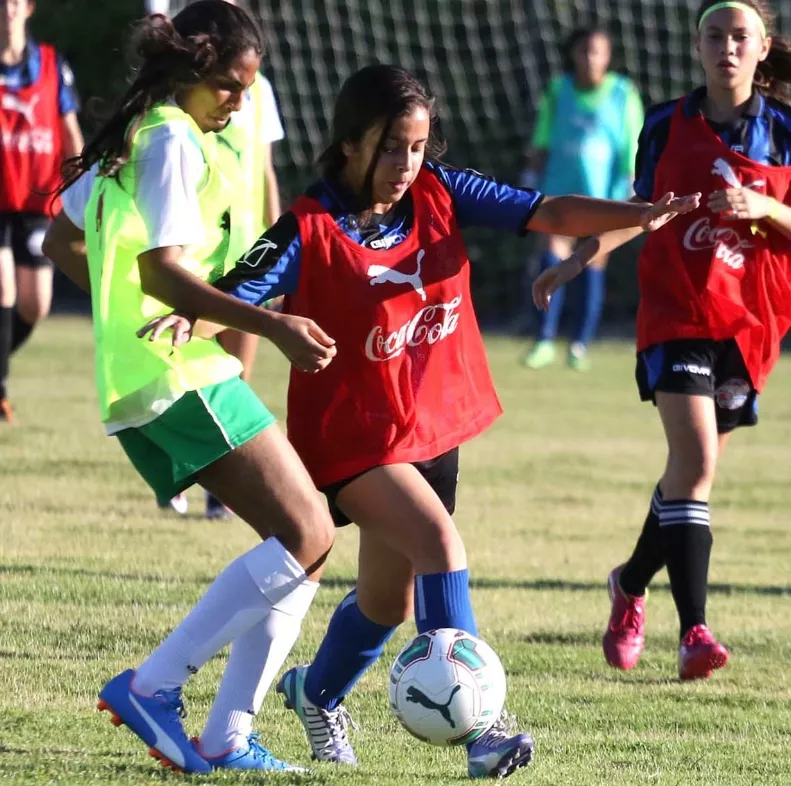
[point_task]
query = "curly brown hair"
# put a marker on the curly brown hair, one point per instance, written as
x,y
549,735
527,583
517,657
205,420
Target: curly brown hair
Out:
x,y
198,42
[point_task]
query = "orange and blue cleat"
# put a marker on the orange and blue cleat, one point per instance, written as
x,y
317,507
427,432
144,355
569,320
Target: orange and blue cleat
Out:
x,y
155,719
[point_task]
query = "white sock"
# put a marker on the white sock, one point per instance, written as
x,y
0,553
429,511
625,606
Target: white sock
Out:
x,y
256,658
238,599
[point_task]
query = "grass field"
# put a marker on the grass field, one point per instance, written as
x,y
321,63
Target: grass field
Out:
x,y
92,577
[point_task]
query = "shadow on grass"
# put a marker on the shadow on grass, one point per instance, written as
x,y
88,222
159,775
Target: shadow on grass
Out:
x,y
5,750
88,657
562,585
343,582
111,764
566,639
118,762
633,679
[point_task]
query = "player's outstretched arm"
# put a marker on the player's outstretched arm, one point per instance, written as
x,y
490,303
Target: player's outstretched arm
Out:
x,y
579,216
301,340
162,277
546,284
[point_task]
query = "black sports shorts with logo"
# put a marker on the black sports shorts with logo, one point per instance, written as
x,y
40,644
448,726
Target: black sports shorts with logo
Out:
x,y
442,474
24,233
701,367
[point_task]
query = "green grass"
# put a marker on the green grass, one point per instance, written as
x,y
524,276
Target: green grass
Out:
x,y
92,577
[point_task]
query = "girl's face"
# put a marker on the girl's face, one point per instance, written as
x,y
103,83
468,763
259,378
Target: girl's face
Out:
x,y
591,57
13,16
211,103
730,46
399,161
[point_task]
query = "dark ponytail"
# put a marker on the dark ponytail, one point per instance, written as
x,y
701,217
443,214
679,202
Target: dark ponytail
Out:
x,y
202,39
773,75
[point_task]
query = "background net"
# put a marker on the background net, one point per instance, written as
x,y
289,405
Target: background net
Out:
x,y
488,62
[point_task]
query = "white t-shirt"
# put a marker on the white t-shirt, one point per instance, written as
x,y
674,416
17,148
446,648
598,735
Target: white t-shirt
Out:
x,y
271,127
169,168
158,6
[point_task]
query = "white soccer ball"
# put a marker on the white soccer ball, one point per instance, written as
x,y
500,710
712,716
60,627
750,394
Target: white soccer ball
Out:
x,y
447,687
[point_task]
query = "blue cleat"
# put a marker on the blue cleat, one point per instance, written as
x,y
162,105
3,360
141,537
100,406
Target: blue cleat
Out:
x,y
155,719
327,730
254,757
498,753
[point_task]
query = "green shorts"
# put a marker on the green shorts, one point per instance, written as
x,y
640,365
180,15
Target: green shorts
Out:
x,y
201,427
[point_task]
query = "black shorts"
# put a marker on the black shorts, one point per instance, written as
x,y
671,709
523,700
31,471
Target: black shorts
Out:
x,y
442,474
701,367
23,233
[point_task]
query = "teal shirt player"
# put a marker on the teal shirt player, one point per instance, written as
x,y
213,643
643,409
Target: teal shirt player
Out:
x,y
590,137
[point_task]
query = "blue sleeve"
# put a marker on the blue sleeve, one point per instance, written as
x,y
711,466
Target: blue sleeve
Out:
x,y
480,201
780,115
650,146
67,96
270,268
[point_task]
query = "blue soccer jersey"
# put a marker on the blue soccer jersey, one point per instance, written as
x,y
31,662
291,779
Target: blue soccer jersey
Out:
x,y
26,72
272,266
762,133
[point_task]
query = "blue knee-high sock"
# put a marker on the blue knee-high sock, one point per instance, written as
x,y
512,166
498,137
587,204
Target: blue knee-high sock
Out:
x,y
592,305
549,320
442,600
351,644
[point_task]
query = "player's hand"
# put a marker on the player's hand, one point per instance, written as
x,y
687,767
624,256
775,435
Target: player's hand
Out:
x,y
303,342
667,208
180,325
553,278
740,204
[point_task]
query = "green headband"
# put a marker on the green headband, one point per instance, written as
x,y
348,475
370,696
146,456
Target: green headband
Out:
x,y
731,4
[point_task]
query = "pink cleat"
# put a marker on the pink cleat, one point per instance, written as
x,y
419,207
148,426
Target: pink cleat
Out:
x,y
700,654
624,639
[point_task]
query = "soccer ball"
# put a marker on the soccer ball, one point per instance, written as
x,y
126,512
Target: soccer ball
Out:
x,y
447,687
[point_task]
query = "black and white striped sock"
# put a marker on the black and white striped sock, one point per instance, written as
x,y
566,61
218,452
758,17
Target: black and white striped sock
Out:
x,y
647,559
686,540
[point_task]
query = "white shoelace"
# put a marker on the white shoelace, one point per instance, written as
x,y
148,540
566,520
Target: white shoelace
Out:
x,y
333,733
